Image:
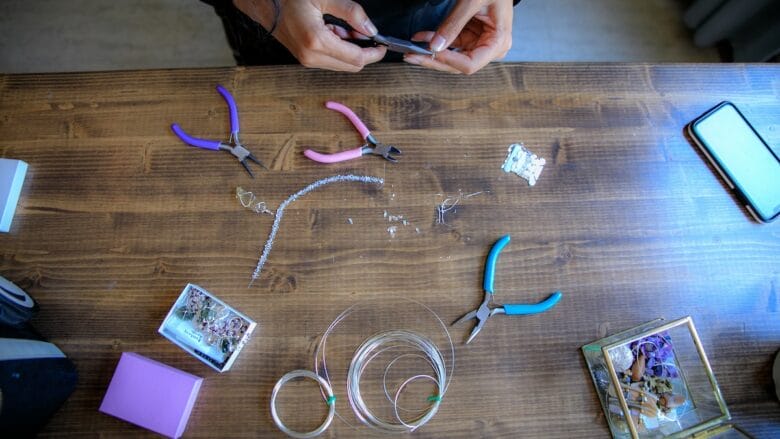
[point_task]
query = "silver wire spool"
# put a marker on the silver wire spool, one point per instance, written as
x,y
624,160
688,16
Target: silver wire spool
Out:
x,y
411,341
326,389
368,351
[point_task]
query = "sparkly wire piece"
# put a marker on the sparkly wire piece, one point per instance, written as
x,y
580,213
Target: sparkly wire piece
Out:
x,y
269,243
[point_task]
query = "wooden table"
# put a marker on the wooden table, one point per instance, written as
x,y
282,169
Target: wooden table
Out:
x,y
627,220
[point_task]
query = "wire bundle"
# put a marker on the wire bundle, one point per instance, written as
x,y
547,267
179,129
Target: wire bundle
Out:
x,y
401,343
373,347
326,389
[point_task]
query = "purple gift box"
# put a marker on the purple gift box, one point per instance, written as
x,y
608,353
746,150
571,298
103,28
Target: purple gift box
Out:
x,y
152,395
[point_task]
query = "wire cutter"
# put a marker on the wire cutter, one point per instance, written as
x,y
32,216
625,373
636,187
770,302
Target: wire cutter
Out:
x,y
233,145
485,311
370,147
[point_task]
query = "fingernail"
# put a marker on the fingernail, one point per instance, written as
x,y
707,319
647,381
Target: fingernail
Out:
x,y
411,59
370,28
437,44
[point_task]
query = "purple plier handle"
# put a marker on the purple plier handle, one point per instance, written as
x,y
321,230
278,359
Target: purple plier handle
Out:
x,y
195,141
343,109
233,110
208,143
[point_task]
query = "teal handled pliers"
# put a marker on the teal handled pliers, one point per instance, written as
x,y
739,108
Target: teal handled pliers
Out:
x,y
485,311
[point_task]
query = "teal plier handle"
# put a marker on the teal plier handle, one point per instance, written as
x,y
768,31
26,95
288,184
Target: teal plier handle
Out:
x,y
490,264
533,308
517,309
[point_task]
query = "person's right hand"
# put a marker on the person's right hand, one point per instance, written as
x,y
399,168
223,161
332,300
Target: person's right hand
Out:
x,y
302,30
480,30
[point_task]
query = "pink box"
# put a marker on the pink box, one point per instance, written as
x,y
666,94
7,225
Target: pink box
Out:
x,y
151,395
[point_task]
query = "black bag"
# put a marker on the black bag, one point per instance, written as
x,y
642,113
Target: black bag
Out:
x,y
35,376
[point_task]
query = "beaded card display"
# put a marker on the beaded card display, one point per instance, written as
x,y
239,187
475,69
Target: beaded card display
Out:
x,y
207,328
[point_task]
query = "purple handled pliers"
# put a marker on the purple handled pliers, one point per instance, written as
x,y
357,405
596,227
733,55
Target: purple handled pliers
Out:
x,y
233,145
370,147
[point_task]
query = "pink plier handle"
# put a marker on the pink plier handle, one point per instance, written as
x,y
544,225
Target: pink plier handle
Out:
x,y
343,109
343,155
333,158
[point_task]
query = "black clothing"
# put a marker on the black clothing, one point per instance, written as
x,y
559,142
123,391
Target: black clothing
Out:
x,y
253,45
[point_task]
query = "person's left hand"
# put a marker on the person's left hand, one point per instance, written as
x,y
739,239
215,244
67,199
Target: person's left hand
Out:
x,y
480,30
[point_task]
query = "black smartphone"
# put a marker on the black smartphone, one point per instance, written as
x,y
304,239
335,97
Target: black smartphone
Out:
x,y
742,158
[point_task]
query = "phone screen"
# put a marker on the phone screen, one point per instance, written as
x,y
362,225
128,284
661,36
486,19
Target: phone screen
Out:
x,y
743,156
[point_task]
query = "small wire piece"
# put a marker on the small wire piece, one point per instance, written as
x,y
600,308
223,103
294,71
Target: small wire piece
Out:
x,y
395,219
449,205
330,399
445,206
248,200
244,197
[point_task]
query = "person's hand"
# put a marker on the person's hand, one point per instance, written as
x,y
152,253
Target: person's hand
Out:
x,y
480,30
302,30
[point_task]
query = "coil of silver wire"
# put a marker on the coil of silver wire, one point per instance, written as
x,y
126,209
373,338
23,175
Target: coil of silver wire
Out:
x,y
398,344
327,391
367,352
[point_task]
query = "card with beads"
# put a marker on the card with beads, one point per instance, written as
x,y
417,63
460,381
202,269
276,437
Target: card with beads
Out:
x,y
207,327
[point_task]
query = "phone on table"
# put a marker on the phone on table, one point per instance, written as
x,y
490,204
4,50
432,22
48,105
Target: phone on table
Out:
x,y
742,158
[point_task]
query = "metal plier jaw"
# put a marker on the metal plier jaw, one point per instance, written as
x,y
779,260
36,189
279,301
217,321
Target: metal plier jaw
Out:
x,y
480,314
485,310
241,153
380,149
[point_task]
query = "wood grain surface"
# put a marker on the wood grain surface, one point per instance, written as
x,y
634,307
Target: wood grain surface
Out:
x,y
627,220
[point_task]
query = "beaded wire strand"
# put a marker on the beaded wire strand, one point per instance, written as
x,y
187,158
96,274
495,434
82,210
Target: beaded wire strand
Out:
x,y
269,243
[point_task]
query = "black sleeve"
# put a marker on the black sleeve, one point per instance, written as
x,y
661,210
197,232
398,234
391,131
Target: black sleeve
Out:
x,y
221,5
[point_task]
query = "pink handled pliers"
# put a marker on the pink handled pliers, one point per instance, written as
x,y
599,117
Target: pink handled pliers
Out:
x,y
370,147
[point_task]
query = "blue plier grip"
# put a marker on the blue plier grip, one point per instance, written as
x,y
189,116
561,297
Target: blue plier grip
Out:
x,y
534,308
490,264
232,109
